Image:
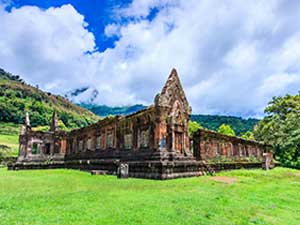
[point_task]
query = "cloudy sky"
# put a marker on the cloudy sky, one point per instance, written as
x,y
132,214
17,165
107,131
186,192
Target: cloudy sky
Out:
x,y
232,56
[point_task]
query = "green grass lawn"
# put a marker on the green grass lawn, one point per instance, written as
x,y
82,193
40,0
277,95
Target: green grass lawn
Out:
x,y
74,197
9,139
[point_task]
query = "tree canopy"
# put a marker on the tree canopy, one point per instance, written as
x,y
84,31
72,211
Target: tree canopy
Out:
x,y
193,127
213,122
226,129
281,128
248,135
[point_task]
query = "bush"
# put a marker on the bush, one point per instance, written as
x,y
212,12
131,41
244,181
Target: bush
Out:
x,y
226,129
193,127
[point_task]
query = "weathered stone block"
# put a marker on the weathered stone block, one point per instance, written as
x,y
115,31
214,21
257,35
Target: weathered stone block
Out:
x,y
123,170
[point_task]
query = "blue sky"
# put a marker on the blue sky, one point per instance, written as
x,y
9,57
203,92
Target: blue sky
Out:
x,y
232,56
97,13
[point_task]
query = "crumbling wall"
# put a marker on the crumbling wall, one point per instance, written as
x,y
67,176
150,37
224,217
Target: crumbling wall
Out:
x,y
213,146
42,146
114,137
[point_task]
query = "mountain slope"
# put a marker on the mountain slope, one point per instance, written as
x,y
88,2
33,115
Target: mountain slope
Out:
x,y
238,124
103,110
17,97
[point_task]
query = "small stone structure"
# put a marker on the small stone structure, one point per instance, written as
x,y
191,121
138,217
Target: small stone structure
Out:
x,y
268,162
38,146
152,143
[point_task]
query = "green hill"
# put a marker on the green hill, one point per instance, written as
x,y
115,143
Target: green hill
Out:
x,y
212,122
17,97
9,141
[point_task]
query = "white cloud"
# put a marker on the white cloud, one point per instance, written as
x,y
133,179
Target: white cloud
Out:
x,y
241,57
112,30
47,47
232,56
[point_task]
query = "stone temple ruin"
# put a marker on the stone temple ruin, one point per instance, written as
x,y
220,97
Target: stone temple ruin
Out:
x,y
152,143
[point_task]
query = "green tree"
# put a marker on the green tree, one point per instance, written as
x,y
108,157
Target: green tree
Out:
x,y
41,128
248,135
193,127
226,129
62,126
281,128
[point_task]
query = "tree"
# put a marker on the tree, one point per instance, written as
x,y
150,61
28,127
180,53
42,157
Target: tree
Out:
x,y
281,128
248,135
62,126
226,129
193,127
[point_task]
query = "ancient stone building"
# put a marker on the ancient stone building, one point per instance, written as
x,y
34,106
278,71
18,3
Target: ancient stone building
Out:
x,y
37,146
151,143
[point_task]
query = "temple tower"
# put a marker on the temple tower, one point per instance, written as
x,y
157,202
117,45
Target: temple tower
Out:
x,y
174,112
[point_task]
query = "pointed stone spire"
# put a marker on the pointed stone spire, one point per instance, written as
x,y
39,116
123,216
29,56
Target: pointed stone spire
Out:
x,y
172,80
54,122
171,91
27,120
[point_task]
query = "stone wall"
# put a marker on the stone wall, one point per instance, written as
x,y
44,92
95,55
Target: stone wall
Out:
x,y
116,137
215,147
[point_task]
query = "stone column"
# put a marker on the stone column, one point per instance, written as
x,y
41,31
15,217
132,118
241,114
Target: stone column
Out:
x,y
54,122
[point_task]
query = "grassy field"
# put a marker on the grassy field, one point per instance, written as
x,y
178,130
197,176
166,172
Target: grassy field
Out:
x,y
9,139
74,197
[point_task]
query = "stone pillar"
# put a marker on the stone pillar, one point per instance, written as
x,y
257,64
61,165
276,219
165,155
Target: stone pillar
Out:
x,y
27,120
22,147
160,134
172,147
23,138
54,122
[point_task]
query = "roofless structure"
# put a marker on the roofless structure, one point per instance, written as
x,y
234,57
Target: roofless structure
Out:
x,y
152,143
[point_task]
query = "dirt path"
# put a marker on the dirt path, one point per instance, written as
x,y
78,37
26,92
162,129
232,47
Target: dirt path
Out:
x,y
223,179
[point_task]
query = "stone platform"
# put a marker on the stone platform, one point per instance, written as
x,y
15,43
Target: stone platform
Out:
x,y
160,170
